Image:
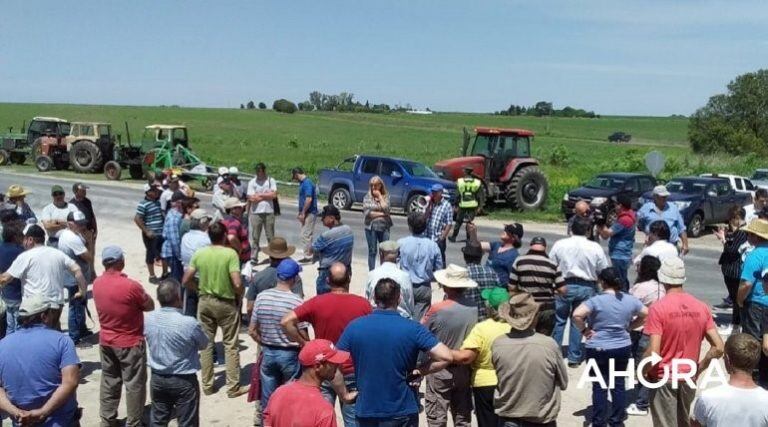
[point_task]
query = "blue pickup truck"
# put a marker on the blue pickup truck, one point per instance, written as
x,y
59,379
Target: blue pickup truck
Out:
x,y
407,181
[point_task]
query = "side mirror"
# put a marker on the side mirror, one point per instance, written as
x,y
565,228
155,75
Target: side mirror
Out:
x,y
396,175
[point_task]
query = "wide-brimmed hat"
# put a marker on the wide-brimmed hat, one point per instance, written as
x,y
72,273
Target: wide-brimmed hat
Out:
x,y
660,191
672,271
455,277
758,227
16,191
520,311
279,249
233,202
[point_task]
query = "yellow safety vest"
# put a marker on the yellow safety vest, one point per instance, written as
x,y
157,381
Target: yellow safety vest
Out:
x,y
468,188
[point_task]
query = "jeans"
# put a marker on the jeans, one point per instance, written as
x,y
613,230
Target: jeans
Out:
x,y
175,393
622,266
618,413
374,238
177,269
189,298
11,316
278,366
640,342
441,245
486,417
751,323
76,318
401,421
347,409
575,295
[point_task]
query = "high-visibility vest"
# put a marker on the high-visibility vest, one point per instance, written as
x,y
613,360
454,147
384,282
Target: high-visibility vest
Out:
x,y
468,188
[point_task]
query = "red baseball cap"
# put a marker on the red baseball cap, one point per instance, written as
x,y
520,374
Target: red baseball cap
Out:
x,y
318,351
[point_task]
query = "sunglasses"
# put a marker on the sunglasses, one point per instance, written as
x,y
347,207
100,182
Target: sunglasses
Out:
x,y
58,193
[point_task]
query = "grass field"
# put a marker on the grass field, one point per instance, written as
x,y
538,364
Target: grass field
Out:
x,y
571,150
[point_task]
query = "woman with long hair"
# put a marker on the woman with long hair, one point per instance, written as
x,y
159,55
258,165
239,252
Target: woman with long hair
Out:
x,y
605,320
377,220
734,241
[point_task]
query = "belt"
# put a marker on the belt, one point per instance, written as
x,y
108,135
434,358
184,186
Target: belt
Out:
x,y
579,281
229,300
154,372
280,347
418,285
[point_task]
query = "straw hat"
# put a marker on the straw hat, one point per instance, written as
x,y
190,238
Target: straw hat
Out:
x,y
455,277
758,227
520,311
16,191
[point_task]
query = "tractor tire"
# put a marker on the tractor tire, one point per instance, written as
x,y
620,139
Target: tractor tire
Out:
x,y
43,163
5,158
208,183
136,172
340,198
415,203
86,157
527,190
18,158
112,170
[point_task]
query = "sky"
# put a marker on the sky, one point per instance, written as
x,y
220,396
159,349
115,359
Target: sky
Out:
x,y
652,58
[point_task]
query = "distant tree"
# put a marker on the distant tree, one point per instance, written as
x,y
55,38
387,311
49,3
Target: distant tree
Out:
x,y
306,106
242,107
262,106
543,108
251,105
284,106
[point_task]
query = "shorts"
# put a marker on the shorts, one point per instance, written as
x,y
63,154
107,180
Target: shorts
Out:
x,y
153,247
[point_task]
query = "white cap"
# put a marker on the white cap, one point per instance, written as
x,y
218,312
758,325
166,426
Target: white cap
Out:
x,y
223,170
233,170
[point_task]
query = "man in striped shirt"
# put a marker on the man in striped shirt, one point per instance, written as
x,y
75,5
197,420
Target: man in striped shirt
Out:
x,y
538,275
149,218
334,245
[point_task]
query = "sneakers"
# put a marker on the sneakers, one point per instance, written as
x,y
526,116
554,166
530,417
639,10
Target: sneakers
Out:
x,y
726,304
208,391
726,330
634,410
452,239
237,392
154,280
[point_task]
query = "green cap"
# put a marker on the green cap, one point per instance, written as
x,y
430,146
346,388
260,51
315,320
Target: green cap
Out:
x,y
495,296
57,189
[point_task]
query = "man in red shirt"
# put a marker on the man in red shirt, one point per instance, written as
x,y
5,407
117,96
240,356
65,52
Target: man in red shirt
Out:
x,y
237,232
300,403
121,303
329,314
676,325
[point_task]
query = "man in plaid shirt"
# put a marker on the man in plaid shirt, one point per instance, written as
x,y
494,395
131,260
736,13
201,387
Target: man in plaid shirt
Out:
x,y
439,218
171,250
485,277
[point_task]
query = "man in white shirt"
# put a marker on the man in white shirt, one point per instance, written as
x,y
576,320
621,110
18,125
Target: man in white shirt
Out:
x,y
389,252
54,216
261,193
657,243
174,185
580,260
42,271
761,200
72,242
741,402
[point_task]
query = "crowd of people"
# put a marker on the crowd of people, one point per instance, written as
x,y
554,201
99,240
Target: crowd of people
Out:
x,y
492,348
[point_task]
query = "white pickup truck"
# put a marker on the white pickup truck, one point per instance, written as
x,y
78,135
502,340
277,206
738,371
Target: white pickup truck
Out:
x,y
738,183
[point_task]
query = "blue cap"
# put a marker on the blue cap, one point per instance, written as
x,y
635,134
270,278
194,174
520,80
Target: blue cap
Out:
x,y
111,254
437,187
288,269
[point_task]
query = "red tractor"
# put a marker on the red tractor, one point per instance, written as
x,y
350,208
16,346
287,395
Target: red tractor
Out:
x,y
502,159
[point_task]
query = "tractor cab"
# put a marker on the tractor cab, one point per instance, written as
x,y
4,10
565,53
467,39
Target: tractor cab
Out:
x,y
498,147
47,126
155,136
99,133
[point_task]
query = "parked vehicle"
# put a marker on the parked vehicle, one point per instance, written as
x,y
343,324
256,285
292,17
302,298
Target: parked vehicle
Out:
x,y
602,190
502,159
760,178
739,183
408,182
16,147
702,201
619,137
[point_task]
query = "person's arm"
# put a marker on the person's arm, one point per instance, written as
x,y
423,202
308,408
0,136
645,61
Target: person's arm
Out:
x,y
715,351
139,221
290,324
472,230
82,286
465,356
340,387
440,356
580,319
5,278
765,344
654,346
9,408
640,319
254,330
70,376
604,232
684,240
745,288
237,283
187,281
448,226
198,335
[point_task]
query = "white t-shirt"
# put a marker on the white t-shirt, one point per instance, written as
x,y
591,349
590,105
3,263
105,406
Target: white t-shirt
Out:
x,y
51,212
73,246
579,258
165,198
267,186
731,406
660,249
43,271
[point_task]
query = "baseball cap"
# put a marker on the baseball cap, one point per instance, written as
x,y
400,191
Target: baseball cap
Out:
x,y
233,170
330,210
319,351
79,186
223,170
150,187
77,217
35,304
178,196
111,254
288,269
660,191
495,296
200,214
437,188
57,189
515,229
538,240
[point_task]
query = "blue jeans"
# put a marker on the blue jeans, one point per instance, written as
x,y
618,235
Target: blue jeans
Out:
x,y
11,316
622,266
177,269
575,295
347,409
278,366
640,342
76,320
618,411
374,238
401,421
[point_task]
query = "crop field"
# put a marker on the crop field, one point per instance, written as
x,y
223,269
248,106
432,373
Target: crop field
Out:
x,y
570,150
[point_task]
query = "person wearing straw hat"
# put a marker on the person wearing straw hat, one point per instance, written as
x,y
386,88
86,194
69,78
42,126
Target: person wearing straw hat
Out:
x,y
676,326
257,282
752,295
529,367
450,321
16,195
237,230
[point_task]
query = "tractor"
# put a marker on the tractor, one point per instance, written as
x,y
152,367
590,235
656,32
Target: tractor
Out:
x,y
51,131
125,156
90,145
501,158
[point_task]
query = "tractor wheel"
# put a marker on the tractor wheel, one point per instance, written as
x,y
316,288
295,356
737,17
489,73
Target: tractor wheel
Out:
x,y
18,158
112,170
136,172
340,198
416,203
528,189
86,157
37,148
207,183
5,158
43,163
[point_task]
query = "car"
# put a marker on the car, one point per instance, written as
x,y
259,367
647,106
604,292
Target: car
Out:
x,y
619,137
702,201
739,183
601,191
407,181
760,178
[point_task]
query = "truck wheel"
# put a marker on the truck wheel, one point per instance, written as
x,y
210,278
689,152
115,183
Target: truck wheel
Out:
x,y
85,157
416,203
43,163
136,172
18,158
112,170
527,190
696,226
340,198
5,158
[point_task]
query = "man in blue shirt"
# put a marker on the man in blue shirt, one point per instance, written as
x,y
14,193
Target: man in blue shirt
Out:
x,y
420,258
307,211
334,245
660,210
39,369
174,341
621,238
385,347
439,218
752,294
171,249
10,248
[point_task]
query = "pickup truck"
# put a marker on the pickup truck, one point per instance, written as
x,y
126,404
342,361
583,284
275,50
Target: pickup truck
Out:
x,y
602,190
408,182
702,201
738,183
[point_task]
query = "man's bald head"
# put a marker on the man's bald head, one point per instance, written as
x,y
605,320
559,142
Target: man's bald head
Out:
x,y
581,208
338,276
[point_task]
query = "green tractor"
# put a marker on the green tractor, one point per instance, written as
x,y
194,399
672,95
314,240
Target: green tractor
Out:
x,y
16,147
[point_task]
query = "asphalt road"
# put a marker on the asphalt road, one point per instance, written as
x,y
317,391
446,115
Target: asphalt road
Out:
x,y
117,202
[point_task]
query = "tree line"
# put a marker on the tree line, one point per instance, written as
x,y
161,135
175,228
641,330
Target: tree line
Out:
x,y
544,108
318,101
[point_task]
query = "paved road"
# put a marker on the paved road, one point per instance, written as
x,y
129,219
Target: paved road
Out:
x,y
118,202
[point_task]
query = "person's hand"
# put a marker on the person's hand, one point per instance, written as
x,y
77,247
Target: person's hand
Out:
x,y
77,295
150,234
588,333
350,397
301,218
18,415
34,417
471,228
376,194
414,380
684,249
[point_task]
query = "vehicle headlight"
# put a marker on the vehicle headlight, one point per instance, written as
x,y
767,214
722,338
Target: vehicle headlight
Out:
x,y
597,201
565,197
682,205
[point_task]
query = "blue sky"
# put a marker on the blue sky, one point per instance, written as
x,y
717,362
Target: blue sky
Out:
x,y
639,58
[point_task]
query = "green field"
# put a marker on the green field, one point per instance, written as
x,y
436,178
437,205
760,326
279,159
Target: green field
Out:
x,y
571,150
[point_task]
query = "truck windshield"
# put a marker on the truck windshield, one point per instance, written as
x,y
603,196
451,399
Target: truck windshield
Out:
x,y
605,182
483,145
418,170
686,187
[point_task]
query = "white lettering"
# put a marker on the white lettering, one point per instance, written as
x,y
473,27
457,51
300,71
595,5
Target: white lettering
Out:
x,y
591,373
714,374
687,376
628,374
